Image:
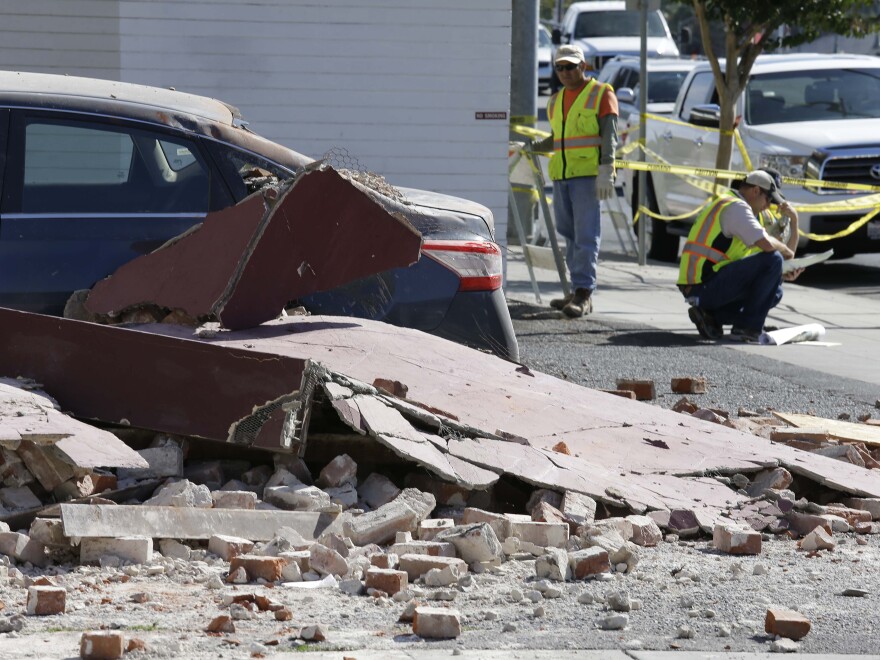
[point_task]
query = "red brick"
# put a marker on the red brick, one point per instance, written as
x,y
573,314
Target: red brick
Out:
x,y
101,645
44,601
387,580
436,622
384,560
786,623
644,389
222,623
735,540
689,385
626,394
590,561
256,566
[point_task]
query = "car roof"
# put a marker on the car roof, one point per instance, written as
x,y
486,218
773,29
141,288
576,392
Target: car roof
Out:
x,y
657,63
597,5
52,90
773,63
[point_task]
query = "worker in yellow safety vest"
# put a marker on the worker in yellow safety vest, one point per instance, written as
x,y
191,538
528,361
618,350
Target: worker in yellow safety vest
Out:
x,y
583,119
731,268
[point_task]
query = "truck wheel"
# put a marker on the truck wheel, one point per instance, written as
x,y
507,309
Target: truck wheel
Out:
x,y
662,245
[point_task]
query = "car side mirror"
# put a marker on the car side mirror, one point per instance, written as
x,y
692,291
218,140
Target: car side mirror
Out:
x,y
626,95
556,36
708,115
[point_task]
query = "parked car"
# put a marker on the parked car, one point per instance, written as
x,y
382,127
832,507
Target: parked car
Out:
x,y
605,28
545,59
94,173
665,76
806,115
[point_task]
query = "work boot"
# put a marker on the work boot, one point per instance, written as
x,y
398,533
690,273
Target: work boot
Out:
x,y
560,303
579,304
706,324
745,335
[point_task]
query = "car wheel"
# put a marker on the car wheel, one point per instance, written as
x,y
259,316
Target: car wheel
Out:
x,y
662,244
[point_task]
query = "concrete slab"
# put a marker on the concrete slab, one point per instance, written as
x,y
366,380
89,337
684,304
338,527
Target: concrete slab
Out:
x,y
243,264
105,520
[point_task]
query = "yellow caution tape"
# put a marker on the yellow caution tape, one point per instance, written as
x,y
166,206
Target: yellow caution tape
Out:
x,y
528,131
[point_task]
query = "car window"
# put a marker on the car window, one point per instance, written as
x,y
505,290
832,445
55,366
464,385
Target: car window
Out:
x,y
663,86
591,24
701,87
819,95
75,167
246,171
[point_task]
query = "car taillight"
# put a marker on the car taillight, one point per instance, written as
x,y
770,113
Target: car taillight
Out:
x,y
477,263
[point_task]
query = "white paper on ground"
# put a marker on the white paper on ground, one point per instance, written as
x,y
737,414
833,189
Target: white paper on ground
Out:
x,y
809,332
324,583
803,262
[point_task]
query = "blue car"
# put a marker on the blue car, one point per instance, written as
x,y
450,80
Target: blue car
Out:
x,y
94,173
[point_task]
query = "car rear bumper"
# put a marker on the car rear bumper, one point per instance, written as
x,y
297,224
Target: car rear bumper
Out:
x,y
480,319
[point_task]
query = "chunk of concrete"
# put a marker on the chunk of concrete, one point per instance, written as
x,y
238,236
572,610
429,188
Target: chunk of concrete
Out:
x,y
297,497
326,561
578,508
341,471
417,565
404,513
164,461
437,622
227,547
645,531
474,543
547,535
430,528
132,549
234,499
776,479
588,562
23,548
554,565
377,490
183,493
499,523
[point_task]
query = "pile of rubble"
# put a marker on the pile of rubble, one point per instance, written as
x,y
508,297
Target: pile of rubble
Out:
x,y
368,537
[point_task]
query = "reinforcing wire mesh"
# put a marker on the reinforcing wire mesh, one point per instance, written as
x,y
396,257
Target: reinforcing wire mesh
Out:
x,y
343,161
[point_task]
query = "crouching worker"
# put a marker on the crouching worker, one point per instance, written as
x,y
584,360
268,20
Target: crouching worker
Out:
x,y
731,268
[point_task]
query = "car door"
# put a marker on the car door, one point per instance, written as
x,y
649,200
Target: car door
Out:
x,y
83,195
688,145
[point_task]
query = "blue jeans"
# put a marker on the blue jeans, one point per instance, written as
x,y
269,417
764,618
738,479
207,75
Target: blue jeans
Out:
x,y
577,218
743,293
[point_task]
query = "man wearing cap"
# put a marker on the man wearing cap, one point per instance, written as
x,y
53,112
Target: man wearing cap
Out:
x,y
731,268
583,118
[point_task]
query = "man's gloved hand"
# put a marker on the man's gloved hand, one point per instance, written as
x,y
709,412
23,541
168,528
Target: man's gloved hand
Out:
x,y
605,182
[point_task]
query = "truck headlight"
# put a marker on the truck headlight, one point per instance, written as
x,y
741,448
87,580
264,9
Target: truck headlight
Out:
x,y
790,166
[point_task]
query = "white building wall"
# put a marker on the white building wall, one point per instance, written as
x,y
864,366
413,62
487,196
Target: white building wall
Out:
x,y
398,83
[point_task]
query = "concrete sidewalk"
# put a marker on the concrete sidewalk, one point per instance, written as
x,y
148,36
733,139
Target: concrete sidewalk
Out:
x,y
648,295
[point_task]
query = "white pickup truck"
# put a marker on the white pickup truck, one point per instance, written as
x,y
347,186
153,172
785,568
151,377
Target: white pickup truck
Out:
x,y
807,115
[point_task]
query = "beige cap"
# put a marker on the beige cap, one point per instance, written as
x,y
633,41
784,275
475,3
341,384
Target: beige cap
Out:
x,y
569,53
766,183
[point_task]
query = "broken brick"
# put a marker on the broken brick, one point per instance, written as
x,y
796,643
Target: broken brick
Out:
x,y
386,579
428,529
101,645
735,540
818,539
436,622
786,623
256,567
589,561
417,565
227,547
43,601
644,389
689,385
222,623
625,394
393,387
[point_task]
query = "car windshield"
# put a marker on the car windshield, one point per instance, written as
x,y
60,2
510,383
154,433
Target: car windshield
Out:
x,y
544,38
663,86
616,24
822,95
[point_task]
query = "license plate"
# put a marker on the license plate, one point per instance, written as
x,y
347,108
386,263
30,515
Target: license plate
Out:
x,y
874,230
